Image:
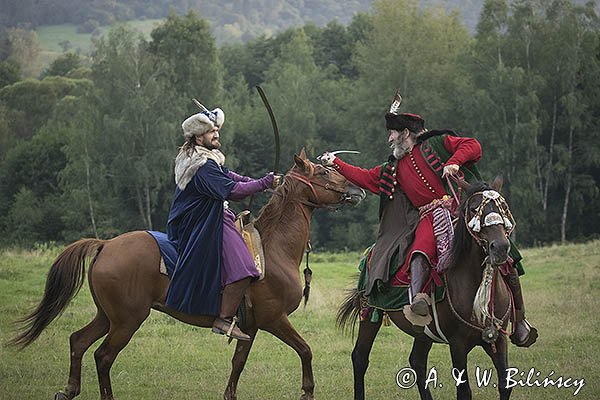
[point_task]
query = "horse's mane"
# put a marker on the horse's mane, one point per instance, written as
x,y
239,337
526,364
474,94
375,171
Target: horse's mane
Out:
x,y
462,238
271,213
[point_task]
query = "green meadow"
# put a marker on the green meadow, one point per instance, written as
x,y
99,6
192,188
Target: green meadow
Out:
x,y
168,359
51,37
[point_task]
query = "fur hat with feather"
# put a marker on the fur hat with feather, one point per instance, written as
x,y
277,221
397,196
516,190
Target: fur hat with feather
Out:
x,y
199,124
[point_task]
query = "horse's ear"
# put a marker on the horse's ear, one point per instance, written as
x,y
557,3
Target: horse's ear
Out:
x,y
464,185
301,162
498,182
303,154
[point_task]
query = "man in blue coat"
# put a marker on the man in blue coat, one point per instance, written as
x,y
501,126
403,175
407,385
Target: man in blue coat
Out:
x,y
214,266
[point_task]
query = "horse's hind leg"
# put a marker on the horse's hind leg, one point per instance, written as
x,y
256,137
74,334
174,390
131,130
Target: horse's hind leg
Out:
x,y
367,331
118,337
238,362
80,341
418,362
283,329
500,359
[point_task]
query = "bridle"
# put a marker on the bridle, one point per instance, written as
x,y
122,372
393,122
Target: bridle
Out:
x,y
307,180
474,224
483,304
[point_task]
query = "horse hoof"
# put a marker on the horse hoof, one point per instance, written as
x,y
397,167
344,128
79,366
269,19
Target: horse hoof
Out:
x,y
307,396
229,395
60,395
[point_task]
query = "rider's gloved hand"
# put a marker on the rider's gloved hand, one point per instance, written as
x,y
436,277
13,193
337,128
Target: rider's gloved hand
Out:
x,y
277,180
327,159
450,169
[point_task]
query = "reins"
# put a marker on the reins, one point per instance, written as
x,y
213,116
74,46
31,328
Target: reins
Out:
x,y
497,321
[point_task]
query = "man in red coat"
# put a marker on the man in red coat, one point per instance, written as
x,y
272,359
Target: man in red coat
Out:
x,y
416,174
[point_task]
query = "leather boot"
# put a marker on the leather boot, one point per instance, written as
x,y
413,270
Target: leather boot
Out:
x,y
419,273
524,334
225,323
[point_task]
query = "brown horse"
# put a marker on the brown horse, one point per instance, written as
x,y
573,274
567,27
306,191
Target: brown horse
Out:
x,y
487,246
126,284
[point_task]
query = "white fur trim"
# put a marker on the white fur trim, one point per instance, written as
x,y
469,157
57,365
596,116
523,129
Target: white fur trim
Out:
x,y
199,124
187,165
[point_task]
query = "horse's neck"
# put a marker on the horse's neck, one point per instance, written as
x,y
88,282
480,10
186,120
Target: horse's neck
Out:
x,y
465,274
290,233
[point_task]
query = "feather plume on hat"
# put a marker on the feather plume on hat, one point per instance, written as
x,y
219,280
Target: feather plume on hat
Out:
x,y
399,121
396,103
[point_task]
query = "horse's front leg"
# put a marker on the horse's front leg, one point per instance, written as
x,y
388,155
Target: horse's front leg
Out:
x,y
367,331
238,362
283,329
500,359
418,362
459,352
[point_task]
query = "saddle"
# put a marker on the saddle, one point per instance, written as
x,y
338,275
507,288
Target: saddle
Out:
x,y
253,241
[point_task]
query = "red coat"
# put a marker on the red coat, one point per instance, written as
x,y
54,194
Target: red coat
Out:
x,y
421,185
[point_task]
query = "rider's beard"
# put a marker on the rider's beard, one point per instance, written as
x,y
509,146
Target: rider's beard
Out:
x,y
400,148
210,143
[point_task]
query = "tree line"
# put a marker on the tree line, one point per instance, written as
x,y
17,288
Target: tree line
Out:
x,y
88,149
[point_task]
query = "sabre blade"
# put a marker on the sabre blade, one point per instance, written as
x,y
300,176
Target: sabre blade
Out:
x,y
340,152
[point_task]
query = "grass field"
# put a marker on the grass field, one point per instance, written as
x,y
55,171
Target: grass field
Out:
x,y
168,359
50,38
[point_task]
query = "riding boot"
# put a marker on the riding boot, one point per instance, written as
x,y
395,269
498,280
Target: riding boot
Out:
x,y
419,274
225,323
524,334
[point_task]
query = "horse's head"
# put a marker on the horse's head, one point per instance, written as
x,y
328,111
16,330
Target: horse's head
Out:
x,y
324,185
488,219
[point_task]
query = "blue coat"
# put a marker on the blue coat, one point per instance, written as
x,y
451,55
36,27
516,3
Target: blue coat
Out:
x,y
195,225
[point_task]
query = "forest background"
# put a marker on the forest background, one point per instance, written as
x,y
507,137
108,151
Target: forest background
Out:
x,y
87,145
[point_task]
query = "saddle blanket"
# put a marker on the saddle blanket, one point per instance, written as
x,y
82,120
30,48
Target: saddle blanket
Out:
x,y
168,252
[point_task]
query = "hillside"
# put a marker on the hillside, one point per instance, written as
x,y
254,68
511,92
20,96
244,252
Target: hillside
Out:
x,y
231,20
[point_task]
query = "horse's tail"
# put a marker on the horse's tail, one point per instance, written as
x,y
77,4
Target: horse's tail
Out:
x,y
349,309
64,280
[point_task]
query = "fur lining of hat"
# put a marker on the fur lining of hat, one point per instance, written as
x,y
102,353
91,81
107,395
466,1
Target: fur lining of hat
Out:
x,y
414,123
199,124
187,163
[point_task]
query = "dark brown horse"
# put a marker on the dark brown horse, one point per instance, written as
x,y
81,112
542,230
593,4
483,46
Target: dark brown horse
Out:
x,y
126,284
473,252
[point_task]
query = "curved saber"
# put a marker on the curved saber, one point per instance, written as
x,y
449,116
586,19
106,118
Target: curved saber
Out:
x,y
340,152
275,129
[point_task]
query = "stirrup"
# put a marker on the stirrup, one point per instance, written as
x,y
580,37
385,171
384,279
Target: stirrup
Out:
x,y
420,304
418,321
529,339
230,331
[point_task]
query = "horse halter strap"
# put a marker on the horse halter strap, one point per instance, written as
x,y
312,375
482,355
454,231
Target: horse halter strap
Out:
x,y
493,218
312,184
